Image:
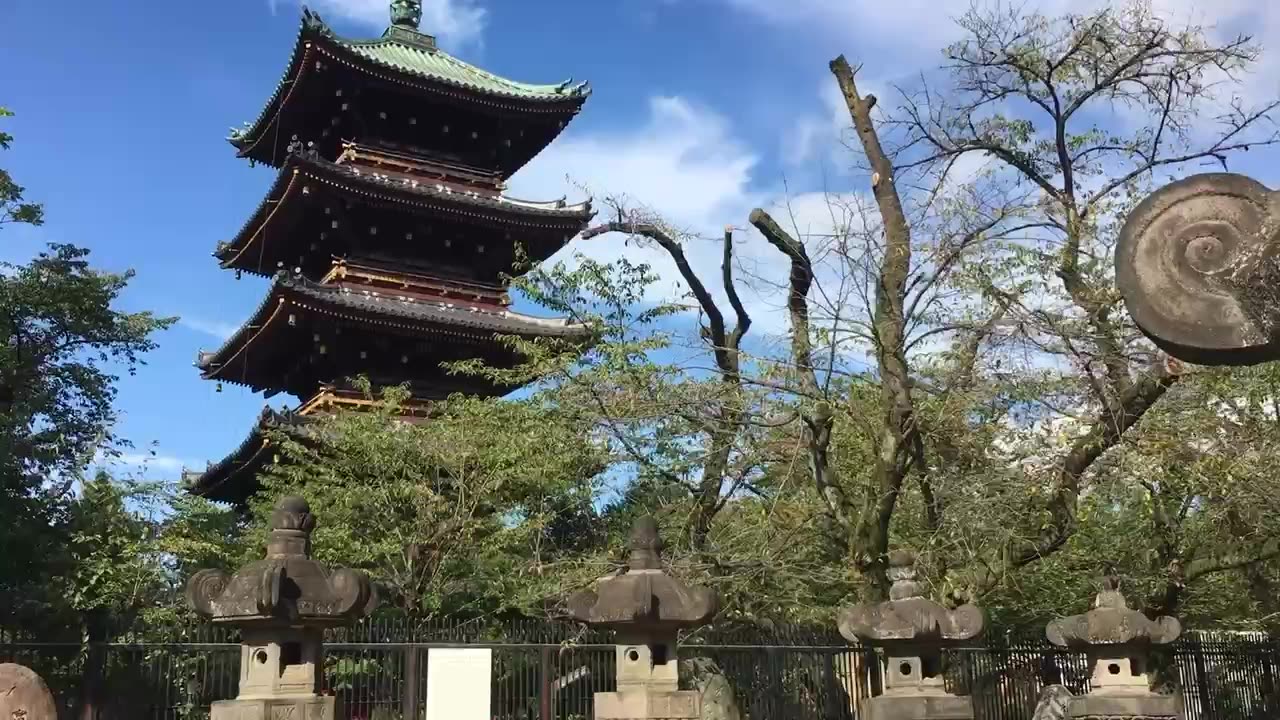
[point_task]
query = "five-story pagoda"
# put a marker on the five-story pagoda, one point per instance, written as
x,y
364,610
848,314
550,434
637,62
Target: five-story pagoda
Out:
x,y
386,232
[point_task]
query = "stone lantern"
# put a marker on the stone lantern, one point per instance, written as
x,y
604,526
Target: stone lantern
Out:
x,y
1118,642
282,604
913,631
646,608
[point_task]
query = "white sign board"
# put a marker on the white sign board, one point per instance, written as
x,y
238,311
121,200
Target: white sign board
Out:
x,y
458,683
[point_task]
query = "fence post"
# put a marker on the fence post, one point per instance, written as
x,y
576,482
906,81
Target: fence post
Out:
x,y
409,704
544,685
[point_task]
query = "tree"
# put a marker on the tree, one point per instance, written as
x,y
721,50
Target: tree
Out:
x,y
460,514
1046,204
62,343
1005,378
685,433
13,208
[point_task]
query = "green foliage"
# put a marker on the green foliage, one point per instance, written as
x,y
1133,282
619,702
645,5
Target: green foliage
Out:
x,y
1018,354
115,568
13,208
468,512
62,341
62,345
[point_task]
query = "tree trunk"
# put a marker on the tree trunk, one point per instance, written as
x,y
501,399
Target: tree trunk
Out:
x,y
90,699
900,439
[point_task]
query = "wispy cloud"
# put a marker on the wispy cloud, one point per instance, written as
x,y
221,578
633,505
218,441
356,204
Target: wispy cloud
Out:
x,y
215,328
144,463
685,162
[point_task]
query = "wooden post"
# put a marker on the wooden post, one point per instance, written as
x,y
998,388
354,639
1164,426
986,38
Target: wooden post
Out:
x,y
544,687
409,703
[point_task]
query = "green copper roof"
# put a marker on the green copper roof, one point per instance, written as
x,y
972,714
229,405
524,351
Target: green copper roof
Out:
x,y
403,55
406,49
399,51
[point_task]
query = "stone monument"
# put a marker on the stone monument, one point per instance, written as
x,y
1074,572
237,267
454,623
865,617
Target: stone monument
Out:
x,y
1118,641
282,604
23,695
912,632
646,608
1198,265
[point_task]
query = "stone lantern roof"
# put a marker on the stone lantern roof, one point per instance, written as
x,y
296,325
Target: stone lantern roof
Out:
x,y
1112,623
286,587
908,617
645,597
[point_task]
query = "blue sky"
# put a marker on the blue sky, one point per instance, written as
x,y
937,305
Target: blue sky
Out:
x,y
701,109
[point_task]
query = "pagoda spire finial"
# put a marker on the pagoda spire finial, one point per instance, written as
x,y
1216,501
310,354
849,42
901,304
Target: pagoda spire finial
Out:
x,y
406,13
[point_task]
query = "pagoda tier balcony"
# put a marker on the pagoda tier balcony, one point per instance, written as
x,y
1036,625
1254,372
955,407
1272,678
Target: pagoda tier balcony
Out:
x,y
402,90
317,210
235,477
307,334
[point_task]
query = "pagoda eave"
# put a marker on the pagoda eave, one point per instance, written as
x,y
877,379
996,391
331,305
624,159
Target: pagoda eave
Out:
x,y
298,302
234,478
544,226
225,480
399,61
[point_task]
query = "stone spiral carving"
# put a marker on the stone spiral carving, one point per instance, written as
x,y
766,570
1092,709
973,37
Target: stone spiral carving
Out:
x,y
1197,266
203,588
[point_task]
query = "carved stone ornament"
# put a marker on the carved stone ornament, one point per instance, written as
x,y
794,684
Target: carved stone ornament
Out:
x,y
282,604
1118,642
286,586
908,616
644,596
912,630
1198,265
406,13
647,608
1111,622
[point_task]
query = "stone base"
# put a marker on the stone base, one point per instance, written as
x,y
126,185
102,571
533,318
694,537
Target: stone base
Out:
x,y
648,705
1145,706
23,694
311,707
916,707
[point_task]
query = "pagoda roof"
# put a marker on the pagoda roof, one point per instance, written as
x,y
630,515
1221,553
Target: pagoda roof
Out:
x,y
414,316
407,57
233,478
300,175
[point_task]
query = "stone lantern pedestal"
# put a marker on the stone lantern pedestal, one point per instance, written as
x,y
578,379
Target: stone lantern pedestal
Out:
x,y
1118,642
282,604
646,608
912,631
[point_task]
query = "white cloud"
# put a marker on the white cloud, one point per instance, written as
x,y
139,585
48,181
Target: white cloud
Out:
x,y
215,328
457,21
142,462
817,135
683,162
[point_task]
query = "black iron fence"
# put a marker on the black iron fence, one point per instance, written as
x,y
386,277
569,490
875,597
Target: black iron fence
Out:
x,y
550,671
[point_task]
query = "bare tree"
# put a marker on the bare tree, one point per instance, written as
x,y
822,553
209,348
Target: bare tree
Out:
x,y
728,411
1064,192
